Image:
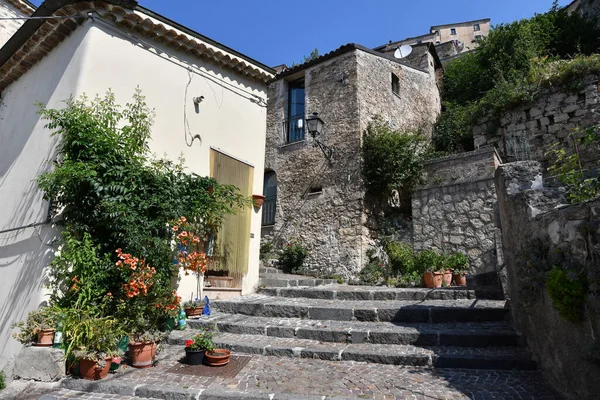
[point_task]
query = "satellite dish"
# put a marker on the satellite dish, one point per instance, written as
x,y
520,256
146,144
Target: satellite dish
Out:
x,y
403,51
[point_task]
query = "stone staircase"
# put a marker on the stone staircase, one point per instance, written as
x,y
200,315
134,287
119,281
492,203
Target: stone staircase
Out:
x,y
342,342
444,328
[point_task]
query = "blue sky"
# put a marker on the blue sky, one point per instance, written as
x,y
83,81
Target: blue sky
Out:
x,y
277,32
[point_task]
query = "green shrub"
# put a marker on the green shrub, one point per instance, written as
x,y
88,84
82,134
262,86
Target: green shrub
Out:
x,y
402,258
2,382
392,160
568,291
292,258
373,273
579,184
265,250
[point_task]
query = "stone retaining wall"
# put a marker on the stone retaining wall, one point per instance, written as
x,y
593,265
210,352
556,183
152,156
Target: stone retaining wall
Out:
x,y
562,348
456,209
527,132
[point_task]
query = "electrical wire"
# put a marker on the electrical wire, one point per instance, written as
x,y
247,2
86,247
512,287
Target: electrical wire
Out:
x,y
221,82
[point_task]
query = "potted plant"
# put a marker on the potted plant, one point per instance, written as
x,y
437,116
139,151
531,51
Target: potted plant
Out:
x,y
258,200
445,266
427,261
39,327
197,346
193,308
143,307
93,341
143,347
459,263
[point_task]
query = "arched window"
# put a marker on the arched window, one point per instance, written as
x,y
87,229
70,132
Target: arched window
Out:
x,y
270,204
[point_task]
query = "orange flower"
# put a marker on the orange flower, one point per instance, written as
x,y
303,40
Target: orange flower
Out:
x,y
175,228
109,294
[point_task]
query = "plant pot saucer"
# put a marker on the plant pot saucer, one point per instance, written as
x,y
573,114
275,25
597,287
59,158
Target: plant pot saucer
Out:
x,y
219,364
42,344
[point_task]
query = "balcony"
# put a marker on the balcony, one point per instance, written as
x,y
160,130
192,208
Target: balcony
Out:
x,y
293,129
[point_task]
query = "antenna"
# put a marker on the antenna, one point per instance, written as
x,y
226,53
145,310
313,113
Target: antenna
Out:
x,y
403,51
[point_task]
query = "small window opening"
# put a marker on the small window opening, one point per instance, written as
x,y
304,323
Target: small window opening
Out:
x,y
395,84
453,31
476,27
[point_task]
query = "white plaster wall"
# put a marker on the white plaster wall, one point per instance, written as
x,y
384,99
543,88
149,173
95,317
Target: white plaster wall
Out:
x,y
25,150
93,59
9,27
226,119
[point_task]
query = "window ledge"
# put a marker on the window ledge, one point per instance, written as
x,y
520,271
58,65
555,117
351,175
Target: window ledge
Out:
x,y
267,226
292,144
313,194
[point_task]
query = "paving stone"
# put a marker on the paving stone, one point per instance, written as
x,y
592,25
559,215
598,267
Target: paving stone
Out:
x,y
293,378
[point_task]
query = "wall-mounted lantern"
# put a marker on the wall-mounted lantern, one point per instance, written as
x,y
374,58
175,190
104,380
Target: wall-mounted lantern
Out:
x,y
315,125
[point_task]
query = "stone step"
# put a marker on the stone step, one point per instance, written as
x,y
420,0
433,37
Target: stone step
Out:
x,y
348,292
500,358
476,334
426,311
288,280
269,270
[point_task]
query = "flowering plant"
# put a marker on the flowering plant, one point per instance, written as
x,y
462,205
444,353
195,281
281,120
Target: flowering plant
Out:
x,y
142,304
202,341
190,254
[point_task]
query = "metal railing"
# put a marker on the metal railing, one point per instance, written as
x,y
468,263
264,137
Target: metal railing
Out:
x,y
268,210
293,129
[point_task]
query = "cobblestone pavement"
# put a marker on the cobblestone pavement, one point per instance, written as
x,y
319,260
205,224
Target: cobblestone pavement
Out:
x,y
291,378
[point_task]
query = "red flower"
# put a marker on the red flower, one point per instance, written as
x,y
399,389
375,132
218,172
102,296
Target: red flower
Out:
x,y
188,343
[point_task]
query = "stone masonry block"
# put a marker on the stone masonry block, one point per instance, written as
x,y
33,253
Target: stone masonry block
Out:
x,y
40,364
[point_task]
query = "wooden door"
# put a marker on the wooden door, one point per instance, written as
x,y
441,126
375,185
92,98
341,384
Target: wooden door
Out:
x,y
232,245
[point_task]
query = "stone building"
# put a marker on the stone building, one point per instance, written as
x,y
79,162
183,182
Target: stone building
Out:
x,y
321,202
468,33
450,40
13,9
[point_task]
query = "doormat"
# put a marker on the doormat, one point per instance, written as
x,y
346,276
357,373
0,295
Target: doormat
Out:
x,y
231,370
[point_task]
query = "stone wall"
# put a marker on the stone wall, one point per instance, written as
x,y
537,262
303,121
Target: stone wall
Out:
x,y
332,222
8,9
456,209
527,132
560,347
418,104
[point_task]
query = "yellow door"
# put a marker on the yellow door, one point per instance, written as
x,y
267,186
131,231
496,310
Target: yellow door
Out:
x,y
232,245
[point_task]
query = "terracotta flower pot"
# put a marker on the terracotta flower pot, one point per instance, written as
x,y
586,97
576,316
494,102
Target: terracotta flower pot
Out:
x,y
193,311
194,357
447,278
217,357
91,371
45,337
460,279
258,200
432,279
142,354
